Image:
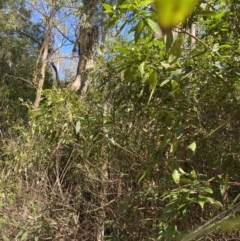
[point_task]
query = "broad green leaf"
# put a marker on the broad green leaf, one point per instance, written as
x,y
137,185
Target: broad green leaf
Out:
x,y
214,203
225,46
153,80
153,25
108,8
138,31
174,84
186,180
176,176
175,51
208,190
176,72
192,146
191,150
173,12
141,68
165,65
169,40
201,201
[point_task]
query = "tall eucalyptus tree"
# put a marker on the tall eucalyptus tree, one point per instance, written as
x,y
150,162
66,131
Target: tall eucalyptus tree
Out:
x,y
86,42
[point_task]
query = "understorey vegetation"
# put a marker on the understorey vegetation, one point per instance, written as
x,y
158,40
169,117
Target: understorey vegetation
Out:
x,y
113,128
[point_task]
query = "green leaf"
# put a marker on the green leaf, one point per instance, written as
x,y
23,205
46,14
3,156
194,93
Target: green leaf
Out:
x,y
170,232
126,6
19,233
208,190
123,25
24,236
141,68
173,12
201,201
224,185
192,146
78,126
146,2
108,8
176,72
169,40
153,80
165,65
142,176
164,82
207,13
166,140
186,180
214,203
174,84
153,83
128,73
174,145
226,179
179,132
176,176
153,25
138,31
175,51
191,150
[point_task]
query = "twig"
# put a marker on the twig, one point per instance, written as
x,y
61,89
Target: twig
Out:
x,y
25,80
196,38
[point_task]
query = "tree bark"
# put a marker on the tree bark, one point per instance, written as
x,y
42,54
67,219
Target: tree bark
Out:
x,y
193,32
44,52
59,84
87,41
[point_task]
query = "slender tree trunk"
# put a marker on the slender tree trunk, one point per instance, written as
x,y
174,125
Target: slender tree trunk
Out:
x,y
100,226
59,84
193,32
44,52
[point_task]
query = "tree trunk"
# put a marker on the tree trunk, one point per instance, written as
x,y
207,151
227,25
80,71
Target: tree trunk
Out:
x,y
87,41
193,32
44,52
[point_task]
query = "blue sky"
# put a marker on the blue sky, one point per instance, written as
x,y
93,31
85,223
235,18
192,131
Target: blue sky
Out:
x,y
63,47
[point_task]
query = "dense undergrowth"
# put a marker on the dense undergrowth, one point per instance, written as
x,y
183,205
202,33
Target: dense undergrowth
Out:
x,y
150,152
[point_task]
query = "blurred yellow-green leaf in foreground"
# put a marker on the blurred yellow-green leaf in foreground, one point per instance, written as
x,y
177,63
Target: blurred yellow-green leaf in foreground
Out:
x,y
173,12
